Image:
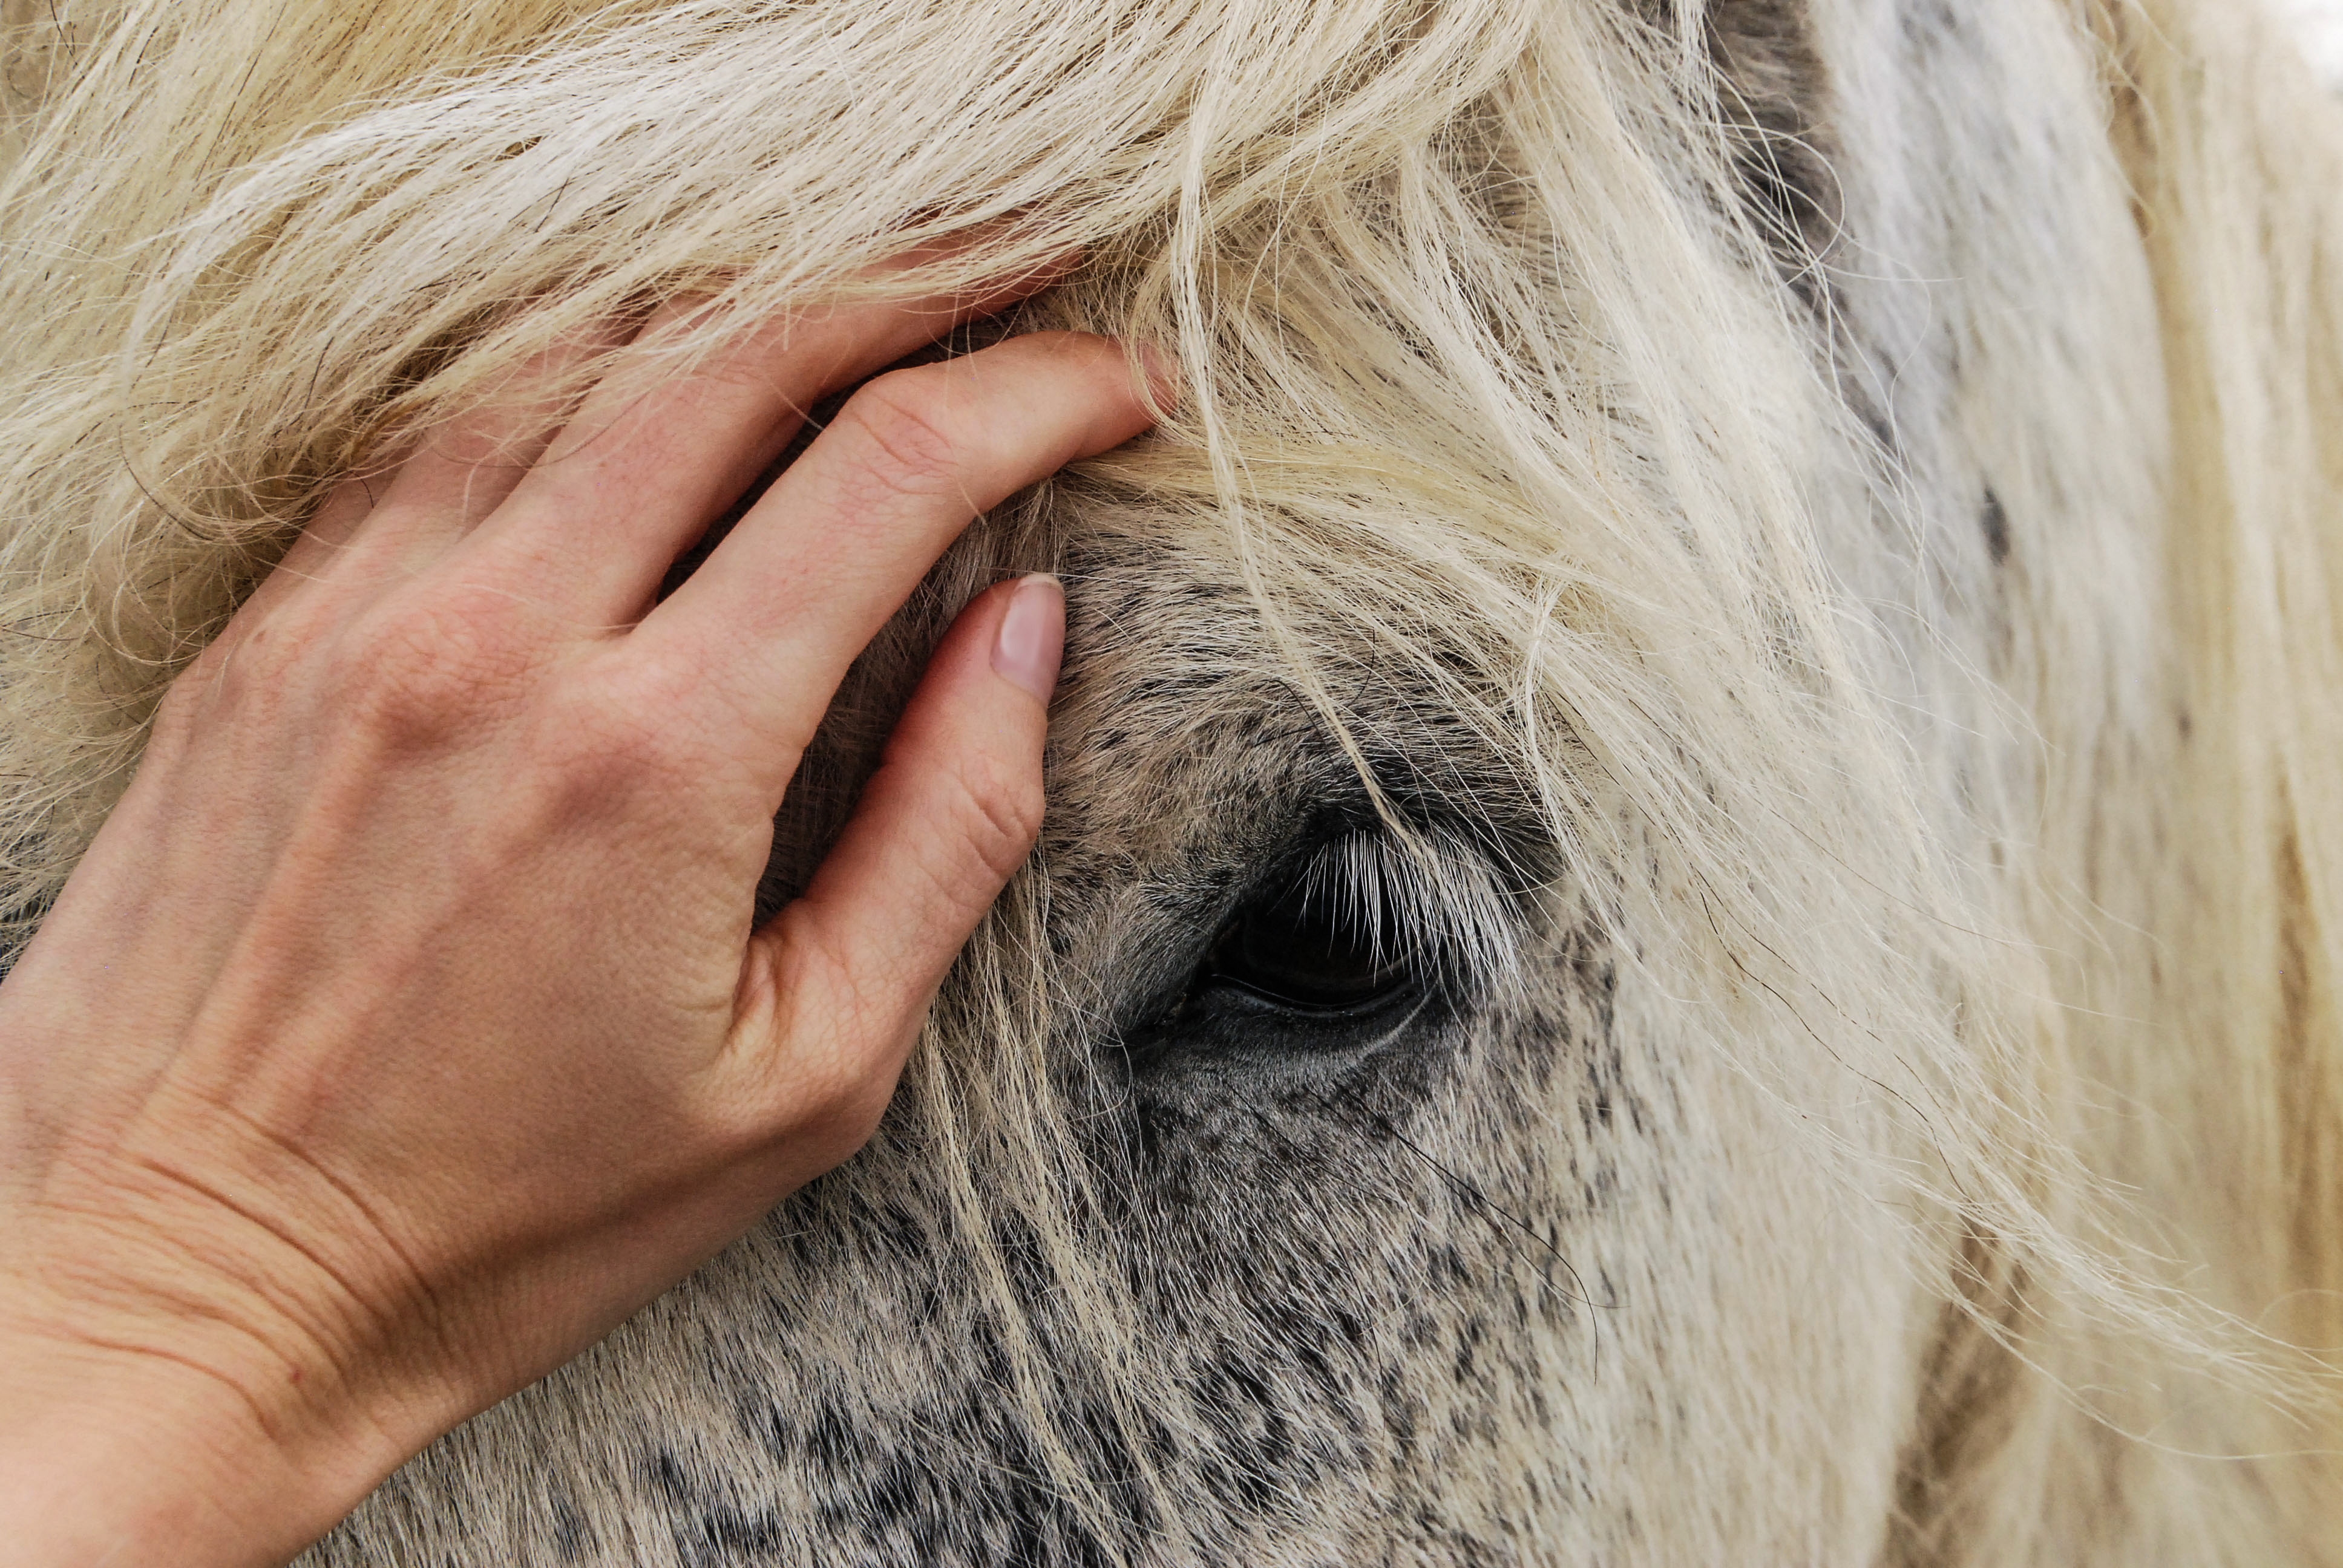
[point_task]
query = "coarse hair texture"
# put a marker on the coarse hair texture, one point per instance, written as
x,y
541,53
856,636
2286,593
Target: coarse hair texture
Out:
x,y
1488,371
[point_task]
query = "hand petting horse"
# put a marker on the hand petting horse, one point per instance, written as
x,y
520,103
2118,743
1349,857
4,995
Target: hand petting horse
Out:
x,y
1690,908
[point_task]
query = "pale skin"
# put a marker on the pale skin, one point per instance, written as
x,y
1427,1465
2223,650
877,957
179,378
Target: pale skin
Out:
x,y
407,1028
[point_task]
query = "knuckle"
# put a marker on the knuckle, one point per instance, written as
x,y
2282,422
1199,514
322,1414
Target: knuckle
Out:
x,y
902,419
1072,348
843,1038
612,737
249,669
841,1090
424,666
1000,816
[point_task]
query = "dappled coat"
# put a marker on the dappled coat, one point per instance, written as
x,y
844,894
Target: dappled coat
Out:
x,y
1693,894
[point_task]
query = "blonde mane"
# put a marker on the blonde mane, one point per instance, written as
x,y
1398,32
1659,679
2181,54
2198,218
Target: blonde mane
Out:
x,y
2026,922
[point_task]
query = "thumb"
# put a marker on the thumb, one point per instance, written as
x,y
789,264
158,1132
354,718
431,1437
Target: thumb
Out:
x,y
942,825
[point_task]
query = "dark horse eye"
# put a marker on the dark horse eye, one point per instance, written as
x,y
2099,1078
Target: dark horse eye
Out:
x,y
1314,948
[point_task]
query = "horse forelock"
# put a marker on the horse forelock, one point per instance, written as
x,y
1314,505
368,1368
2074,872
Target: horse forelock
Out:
x,y
1735,528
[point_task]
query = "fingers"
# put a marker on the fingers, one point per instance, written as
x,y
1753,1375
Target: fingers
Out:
x,y
606,493
465,470
636,476
443,483
947,819
324,539
769,623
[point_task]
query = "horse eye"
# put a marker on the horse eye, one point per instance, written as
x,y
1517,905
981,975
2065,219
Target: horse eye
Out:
x,y
1313,949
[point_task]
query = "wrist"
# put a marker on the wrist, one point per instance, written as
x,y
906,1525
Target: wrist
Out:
x,y
112,1452
186,1375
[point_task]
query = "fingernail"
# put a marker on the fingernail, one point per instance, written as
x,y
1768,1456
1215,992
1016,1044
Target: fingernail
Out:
x,y
1162,378
1033,636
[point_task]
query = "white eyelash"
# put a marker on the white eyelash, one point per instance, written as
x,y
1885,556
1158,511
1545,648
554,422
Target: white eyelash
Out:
x,y
1429,899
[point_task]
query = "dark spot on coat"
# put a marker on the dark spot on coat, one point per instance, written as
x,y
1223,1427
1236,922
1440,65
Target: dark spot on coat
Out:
x,y
1996,523
1773,92
573,1538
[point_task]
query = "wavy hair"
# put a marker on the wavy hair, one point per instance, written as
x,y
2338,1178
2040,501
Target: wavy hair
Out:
x,y
1493,380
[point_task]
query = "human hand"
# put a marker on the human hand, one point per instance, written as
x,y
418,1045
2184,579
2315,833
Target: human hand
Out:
x,y
405,1028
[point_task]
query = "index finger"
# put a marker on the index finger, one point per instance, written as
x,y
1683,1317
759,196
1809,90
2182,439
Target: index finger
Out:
x,y
771,621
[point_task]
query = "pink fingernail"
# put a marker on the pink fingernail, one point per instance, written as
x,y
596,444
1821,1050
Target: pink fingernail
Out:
x,y
1162,378
1033,636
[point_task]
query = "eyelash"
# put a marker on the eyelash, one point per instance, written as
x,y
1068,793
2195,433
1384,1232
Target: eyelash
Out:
x,y
1345,933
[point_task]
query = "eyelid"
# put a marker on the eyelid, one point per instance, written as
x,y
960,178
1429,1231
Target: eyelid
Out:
x,y
1326,895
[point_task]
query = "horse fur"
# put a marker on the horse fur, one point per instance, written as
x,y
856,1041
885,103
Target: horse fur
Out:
x,y
1794,546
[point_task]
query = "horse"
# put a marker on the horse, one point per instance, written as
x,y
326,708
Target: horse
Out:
x,y
1692,901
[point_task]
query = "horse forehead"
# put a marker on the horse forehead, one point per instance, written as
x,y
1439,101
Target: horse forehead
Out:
x,y
1184,730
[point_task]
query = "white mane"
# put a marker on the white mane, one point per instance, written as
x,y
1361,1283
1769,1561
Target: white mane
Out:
x,y
2017,895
